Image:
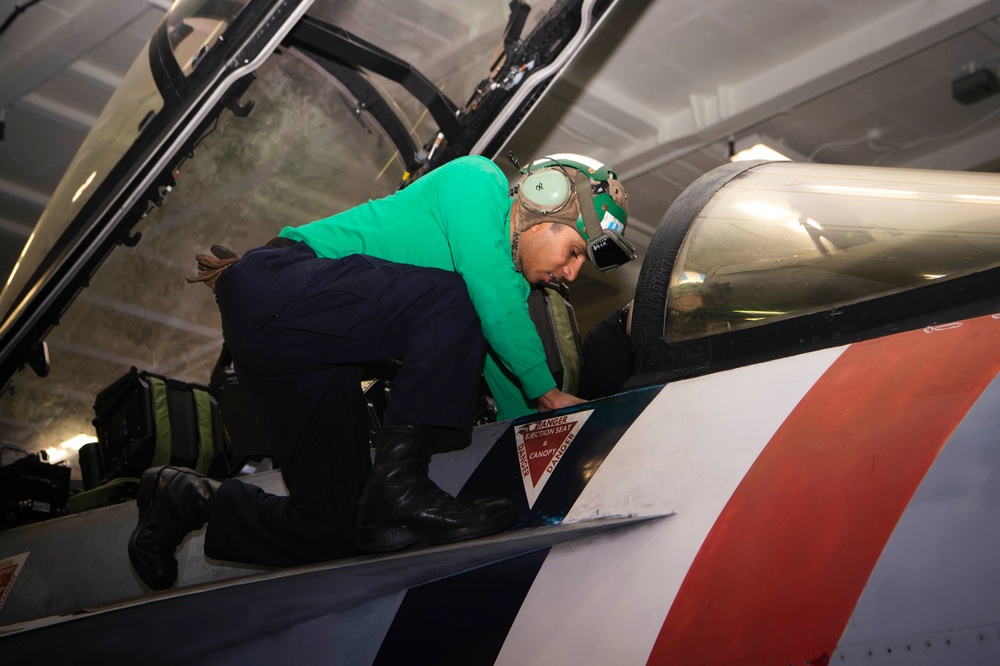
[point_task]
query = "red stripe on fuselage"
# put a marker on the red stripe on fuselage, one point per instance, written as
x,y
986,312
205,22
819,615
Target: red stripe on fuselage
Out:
x,y
785,563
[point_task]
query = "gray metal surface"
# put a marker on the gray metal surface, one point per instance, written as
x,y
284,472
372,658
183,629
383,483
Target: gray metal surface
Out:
x,y
169,627
926,598
81,560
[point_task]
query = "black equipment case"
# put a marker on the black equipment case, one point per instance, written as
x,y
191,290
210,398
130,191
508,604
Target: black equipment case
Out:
x,y
32,489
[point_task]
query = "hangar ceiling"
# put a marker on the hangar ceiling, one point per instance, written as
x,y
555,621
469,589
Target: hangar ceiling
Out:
x,y
662,93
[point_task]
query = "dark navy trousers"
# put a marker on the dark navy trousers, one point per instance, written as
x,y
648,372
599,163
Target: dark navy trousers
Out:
x,y
299,327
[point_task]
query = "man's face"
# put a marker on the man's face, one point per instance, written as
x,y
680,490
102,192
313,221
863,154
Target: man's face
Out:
x,y
551,252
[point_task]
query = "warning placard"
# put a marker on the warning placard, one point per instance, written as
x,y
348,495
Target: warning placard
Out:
x,y
540,447
9,568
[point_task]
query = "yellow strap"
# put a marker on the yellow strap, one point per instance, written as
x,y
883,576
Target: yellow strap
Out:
x,y
161,420
203,410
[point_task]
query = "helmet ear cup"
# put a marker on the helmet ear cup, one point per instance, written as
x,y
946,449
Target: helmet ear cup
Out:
x,y
545,191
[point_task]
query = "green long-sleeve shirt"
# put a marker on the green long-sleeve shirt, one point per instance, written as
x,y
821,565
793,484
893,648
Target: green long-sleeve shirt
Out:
x,y
456,218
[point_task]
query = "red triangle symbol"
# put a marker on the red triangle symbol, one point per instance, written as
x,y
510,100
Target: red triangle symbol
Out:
x,y
541,445
8,573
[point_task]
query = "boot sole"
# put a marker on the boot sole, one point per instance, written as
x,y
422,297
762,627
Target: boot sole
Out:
x,y
144,500
388,538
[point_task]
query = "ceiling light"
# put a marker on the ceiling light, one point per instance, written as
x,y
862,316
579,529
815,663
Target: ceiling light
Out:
x,y
760,147
61,452
75,443
759,151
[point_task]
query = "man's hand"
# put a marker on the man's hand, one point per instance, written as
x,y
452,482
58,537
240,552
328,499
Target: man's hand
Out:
x,y
555,399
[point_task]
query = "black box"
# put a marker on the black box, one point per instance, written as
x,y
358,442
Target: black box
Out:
x,y
975,87
32,490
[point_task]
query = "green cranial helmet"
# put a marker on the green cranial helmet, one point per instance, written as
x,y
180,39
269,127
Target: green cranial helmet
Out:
x,y
554,187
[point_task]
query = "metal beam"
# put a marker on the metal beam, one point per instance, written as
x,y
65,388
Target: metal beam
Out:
x,y
732,108
58,112
94,76
26,194
54,48
14,228
970,153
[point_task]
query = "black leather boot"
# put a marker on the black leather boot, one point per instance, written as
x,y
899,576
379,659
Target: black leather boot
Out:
x,y
400,506
172,502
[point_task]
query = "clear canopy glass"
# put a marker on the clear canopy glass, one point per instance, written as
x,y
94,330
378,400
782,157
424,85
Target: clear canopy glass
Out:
x,y
306,150
786,239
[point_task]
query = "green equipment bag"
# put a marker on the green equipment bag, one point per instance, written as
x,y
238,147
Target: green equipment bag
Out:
x,y
145,420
